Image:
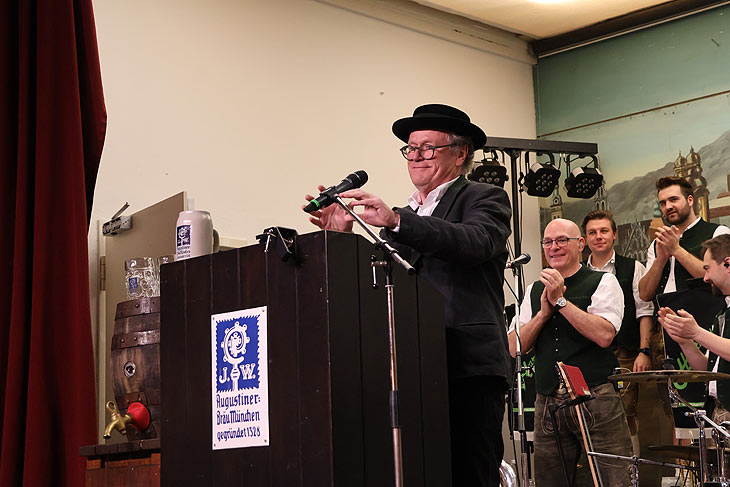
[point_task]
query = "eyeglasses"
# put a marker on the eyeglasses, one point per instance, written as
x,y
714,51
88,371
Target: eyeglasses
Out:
x,y
561,241
427,151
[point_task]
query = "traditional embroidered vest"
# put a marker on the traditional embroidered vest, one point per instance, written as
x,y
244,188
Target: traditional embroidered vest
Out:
x,y
559,341
691,241
720,326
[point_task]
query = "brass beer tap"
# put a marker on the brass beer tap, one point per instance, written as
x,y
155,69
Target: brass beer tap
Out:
x,y
119,422
138,417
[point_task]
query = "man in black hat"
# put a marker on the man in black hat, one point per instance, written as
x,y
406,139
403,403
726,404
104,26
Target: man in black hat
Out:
x,y
455,233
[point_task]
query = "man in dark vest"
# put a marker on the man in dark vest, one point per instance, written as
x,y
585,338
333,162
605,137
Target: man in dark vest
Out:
x,y
683,328
572,314
674,255
632,345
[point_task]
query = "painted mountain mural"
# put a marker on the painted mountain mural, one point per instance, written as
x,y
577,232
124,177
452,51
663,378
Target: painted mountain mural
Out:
x,y
633,202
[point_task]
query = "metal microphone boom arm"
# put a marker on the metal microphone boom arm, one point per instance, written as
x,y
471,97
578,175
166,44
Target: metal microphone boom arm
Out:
x,y
380,243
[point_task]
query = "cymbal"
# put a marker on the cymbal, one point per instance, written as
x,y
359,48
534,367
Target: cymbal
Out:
x,y
675,375
685,452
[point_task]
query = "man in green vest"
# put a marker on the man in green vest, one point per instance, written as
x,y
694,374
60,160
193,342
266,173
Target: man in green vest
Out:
x,y
632,344
674,255
683,328
572,314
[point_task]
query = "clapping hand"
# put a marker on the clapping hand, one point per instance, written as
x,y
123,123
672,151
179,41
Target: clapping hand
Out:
x,y
667,240
546,307
680,325
554,284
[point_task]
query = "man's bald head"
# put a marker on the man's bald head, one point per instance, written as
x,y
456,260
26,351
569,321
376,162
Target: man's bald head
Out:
x,y
565,246
568,227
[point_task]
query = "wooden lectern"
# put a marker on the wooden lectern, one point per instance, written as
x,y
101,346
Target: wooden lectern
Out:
x,y
328,369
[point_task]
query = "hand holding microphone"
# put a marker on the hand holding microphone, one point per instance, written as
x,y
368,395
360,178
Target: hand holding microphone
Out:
x,y
341,216
331,217
375,211
327,196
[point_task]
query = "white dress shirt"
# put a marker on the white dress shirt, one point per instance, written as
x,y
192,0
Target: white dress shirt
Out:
x,y
428,205
603,303
642,307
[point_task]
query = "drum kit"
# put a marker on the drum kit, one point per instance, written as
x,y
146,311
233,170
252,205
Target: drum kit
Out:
x,y
711,463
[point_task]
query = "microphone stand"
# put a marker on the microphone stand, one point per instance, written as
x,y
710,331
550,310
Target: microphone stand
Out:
x,y
524,446
390,254
525,464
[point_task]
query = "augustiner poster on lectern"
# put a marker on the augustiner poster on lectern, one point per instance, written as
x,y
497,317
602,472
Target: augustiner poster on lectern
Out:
x,y
240,389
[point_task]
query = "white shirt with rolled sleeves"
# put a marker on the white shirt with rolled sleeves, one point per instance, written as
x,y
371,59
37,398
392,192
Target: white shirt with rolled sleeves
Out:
x,y
604,303
651,255
643,308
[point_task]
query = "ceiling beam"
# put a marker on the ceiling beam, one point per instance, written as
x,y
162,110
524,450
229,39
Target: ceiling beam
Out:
x,y
623,24
442,25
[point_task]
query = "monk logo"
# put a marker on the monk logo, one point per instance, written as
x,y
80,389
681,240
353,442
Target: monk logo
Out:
x,y
237,353
183,235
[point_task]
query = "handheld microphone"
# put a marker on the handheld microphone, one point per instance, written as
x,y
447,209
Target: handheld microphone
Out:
x,y
521,260
327,197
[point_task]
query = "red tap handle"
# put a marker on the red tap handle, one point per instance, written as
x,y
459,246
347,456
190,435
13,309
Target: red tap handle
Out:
x,y
140,416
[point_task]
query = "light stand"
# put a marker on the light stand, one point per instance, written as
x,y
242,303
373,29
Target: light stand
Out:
x,y
513,149
390,254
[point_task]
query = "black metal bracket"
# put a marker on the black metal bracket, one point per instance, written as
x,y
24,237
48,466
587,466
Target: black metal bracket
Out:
x,y
284,240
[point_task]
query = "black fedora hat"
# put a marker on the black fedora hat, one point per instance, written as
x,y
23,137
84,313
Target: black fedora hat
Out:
x,y
442,118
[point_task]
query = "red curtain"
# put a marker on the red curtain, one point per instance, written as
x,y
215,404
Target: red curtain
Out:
x,y
52,128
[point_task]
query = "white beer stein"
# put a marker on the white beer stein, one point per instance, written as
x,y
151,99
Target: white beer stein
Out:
x,y
195,235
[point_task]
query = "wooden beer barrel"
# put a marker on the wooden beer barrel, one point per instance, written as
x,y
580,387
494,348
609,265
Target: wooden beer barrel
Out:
x,y
135,361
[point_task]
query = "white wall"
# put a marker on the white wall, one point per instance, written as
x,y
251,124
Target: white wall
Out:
x,y
248,105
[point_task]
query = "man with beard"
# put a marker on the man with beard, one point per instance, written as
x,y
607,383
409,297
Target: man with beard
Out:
x,y
673,256
571,315
683,328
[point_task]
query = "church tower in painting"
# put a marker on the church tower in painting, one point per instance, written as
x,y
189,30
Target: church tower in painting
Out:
x,y
690,168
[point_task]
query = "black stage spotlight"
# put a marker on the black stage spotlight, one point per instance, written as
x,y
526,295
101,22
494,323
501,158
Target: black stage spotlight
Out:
x,y
583,182
542,178
489,171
